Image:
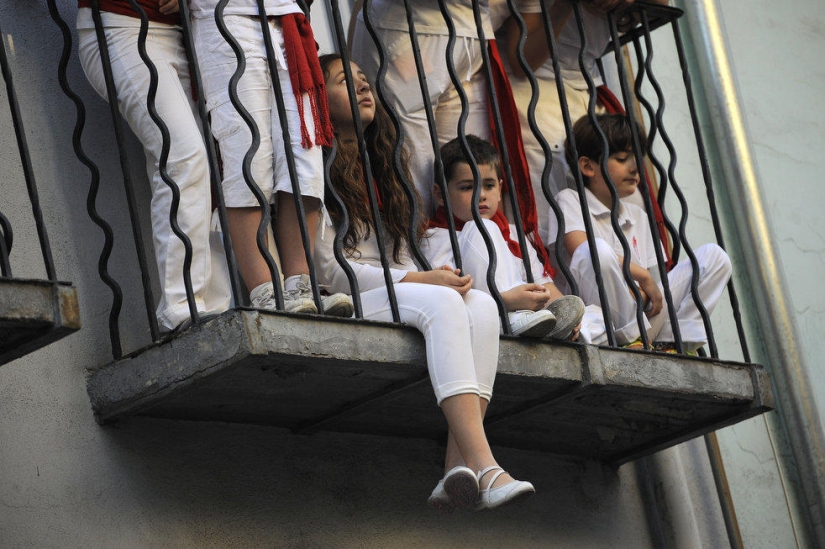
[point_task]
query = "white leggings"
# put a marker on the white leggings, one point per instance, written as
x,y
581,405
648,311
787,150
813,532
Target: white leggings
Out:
x,y
460,333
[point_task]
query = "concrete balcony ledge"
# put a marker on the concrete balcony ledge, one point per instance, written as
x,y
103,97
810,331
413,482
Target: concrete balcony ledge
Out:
x,y
33,314
310,373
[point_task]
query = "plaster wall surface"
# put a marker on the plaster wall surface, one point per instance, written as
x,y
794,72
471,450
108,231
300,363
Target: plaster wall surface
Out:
x,y
67,482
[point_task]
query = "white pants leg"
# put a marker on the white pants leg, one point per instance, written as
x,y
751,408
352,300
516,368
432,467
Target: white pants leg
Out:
x,y
186,164
269,167
460,333
621,301
404,93
714,273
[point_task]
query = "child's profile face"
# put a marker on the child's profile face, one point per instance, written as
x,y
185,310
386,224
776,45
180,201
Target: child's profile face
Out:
x,y
621,166
338,98
460,191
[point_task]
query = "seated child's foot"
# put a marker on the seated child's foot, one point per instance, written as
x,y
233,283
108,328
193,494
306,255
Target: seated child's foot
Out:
x,y
337,305
635,345
568,310
298,295
532,323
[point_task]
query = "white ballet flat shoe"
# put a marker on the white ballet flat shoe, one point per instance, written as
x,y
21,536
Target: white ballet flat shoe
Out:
x,y
490,498
458,489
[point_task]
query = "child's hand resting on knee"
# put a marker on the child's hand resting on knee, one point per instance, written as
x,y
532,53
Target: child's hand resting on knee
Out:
x,y
526,297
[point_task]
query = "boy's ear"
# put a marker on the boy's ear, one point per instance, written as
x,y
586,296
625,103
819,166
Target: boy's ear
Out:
x,y
587,166
439,197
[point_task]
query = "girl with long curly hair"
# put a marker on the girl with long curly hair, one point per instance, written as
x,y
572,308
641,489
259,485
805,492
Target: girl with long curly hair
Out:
x,y
459,324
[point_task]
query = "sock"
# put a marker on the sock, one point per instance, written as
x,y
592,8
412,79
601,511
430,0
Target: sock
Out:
x,y
291,283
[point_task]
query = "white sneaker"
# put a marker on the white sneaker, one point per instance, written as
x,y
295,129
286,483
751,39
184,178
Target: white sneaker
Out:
x,y
532,323
337,305
298,299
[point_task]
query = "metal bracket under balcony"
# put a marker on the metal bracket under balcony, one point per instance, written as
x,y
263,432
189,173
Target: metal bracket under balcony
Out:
x,y
309,373
34,313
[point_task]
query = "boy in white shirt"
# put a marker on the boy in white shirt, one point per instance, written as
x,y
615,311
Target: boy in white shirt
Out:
x,y
714,264
535,309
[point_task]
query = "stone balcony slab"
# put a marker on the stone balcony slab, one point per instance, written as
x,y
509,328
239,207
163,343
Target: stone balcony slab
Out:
x,y
311,373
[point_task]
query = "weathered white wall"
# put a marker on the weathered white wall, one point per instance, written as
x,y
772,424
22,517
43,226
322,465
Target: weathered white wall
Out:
x,y
67,482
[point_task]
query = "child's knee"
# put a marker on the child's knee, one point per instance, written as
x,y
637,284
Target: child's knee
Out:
x,y
717,260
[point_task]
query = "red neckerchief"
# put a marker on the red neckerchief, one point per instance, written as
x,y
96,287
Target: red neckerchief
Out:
x,y
518,160
612,105
439,220
306,77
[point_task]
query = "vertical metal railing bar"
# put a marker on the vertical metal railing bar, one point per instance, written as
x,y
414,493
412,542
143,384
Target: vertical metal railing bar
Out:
x,y
212,157
246,167
545,146
492,96
338,245
462,138
657,127
580,188
117,123
163,160
703,160
6,241
365,160
398,151
290,158
654,128
94,185
694,285
25,159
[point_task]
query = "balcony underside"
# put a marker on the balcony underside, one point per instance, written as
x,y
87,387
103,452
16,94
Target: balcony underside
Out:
x,y
34,313
307,374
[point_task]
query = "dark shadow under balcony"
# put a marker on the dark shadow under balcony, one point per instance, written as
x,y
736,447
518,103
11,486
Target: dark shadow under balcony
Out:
x,y
308,373
33,314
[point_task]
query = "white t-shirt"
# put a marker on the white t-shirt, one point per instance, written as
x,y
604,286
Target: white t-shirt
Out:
x,y
206,8
632,220
437,249
390,14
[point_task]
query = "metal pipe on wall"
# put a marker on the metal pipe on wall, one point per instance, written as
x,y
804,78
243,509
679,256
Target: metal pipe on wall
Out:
x,y
763,263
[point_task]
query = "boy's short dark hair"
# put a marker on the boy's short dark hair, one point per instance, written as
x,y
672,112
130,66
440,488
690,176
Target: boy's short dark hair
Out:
x,y
616,128
483,151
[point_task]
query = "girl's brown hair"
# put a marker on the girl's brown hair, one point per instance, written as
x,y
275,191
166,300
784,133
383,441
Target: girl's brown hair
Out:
x,y
347,177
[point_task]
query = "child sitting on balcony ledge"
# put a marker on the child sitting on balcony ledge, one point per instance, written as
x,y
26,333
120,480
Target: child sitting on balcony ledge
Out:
x,y
535,309
714,264
459,324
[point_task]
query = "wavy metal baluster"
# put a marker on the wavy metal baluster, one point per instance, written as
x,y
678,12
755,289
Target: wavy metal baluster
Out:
x,y
128,185
246,167
290,159
703,159
214,170
25,159
545,146
162,161
94,184
365,160
6,241
462,139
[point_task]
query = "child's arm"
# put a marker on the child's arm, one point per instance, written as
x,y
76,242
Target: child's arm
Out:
x,y
168,6
651,295
526,297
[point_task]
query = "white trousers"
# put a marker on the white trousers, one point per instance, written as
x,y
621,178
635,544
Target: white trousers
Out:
x,y
460,333
186,163
551,124
404,93
714,273
268,168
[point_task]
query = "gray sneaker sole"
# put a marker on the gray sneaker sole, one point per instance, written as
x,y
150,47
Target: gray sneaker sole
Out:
x,y
568,311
